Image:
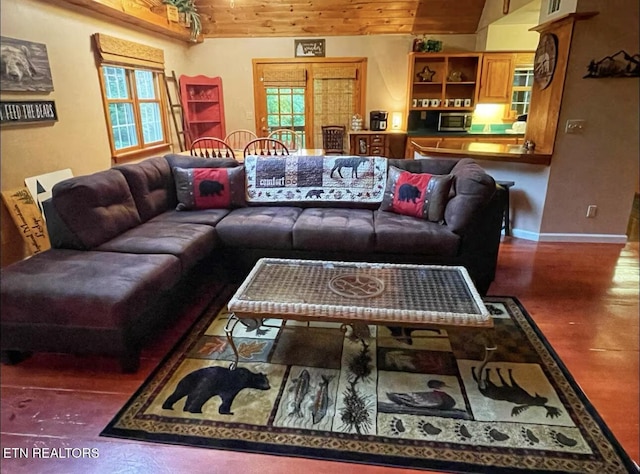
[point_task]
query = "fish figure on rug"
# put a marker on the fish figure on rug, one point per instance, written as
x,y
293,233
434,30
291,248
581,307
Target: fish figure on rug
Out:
x,y
435,398
513,393
321,401
300,389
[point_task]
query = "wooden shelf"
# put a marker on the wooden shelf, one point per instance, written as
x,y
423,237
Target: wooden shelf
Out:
x,y
128,11
202,103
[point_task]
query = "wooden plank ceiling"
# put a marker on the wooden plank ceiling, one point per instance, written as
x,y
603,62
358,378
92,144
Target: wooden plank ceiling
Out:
x,y
241,18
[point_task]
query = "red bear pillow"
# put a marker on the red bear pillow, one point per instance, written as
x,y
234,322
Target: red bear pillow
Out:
x,y
209,188
420,195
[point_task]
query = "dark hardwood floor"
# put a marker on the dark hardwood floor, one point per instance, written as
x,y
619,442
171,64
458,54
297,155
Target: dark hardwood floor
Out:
x,y
584,298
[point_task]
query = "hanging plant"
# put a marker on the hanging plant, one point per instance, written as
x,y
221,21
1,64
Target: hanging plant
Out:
x,y
189,10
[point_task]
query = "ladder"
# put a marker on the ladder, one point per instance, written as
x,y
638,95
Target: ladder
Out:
x,y
175,110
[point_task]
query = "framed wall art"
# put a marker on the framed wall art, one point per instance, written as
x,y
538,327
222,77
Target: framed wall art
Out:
x,y
24,66
309,48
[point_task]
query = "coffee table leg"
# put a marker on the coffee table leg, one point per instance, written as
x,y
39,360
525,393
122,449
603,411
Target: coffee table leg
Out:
x,y
228,329
489,350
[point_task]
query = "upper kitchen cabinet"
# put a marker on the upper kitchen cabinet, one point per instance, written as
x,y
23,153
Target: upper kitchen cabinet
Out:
x,y
443,81
505,74
496,78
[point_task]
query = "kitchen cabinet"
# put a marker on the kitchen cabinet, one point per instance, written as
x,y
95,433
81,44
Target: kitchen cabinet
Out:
x,y
443,81
374,143
203,107
496,78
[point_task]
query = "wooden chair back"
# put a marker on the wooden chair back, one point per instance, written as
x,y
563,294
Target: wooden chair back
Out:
x,y
292,139
333,139
238,139
211,147
266,147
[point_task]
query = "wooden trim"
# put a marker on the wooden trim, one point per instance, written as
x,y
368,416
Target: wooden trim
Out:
x,y
130,12
568,17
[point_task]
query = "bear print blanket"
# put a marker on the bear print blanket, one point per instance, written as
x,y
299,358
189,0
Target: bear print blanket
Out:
x,y
315,178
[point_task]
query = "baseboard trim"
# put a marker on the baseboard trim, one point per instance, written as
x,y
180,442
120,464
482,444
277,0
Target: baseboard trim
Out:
x,y
576,238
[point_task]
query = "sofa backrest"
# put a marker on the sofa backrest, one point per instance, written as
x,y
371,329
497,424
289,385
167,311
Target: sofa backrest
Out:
x,y
472,187
151,185
95,208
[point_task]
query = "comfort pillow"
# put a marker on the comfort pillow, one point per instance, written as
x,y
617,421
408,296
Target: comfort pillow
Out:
x,y
420,195
209,188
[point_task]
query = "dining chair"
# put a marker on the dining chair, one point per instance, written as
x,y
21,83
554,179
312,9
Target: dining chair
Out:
x,y
292,139
333,139
238,139
211,147
266,147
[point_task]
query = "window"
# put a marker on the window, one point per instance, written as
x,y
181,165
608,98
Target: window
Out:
x,y
133,97
554,6
521,96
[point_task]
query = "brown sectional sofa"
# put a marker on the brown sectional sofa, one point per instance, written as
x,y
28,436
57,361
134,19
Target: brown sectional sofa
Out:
x,y
122,252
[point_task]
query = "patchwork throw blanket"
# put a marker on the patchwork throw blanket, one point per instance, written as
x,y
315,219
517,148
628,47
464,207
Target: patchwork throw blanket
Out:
x,y
315,178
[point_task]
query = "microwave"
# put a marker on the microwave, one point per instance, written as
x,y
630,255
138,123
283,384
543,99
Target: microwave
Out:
x,y
454,122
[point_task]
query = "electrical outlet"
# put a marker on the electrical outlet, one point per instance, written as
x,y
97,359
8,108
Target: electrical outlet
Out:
x,y
575,126
592,210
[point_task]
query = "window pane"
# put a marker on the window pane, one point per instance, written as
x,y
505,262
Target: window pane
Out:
x,y
115,80
144,85
123,125
151,124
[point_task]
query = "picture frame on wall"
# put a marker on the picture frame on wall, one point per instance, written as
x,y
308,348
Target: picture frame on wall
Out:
x,y
309,48
24,66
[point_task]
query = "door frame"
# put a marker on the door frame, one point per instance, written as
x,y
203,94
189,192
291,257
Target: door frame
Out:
x,y
258,89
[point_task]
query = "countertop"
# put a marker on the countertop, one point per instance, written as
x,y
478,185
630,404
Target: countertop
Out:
x,y
429,133
486,151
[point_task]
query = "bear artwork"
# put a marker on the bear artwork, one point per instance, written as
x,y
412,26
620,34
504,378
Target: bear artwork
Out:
x,y
16,62
201,385
408,192
210,188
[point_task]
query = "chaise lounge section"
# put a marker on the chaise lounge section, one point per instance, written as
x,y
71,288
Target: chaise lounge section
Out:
x,y
122,250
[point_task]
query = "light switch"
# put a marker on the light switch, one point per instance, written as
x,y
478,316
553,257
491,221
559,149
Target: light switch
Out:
x,y
575,126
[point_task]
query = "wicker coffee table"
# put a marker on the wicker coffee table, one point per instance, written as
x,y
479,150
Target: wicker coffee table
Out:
x,y
358,294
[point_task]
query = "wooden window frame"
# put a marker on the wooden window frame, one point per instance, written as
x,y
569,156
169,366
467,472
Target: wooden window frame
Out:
x,y
132,57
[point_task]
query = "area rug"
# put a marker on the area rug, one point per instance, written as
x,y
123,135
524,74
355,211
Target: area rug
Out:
x,y
395,398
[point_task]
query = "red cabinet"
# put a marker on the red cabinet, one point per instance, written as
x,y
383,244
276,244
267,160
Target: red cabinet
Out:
x,y
203,107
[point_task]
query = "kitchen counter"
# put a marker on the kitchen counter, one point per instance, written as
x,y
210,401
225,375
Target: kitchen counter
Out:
x,y
486,151
431,134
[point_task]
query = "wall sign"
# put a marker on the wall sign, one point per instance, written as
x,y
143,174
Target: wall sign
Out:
x,y
309,48
27,111
545,60
620,64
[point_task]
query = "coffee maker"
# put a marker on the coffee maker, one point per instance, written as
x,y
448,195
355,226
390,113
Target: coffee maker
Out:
x,y
378,120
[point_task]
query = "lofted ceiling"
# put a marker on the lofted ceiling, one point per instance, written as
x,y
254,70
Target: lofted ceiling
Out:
x,y
241,18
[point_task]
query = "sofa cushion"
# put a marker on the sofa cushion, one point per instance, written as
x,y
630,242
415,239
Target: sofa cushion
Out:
x,y
96,207
189,242
151,185
259,227
209,188
87,289
204,216
422,195
334,230
396,233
